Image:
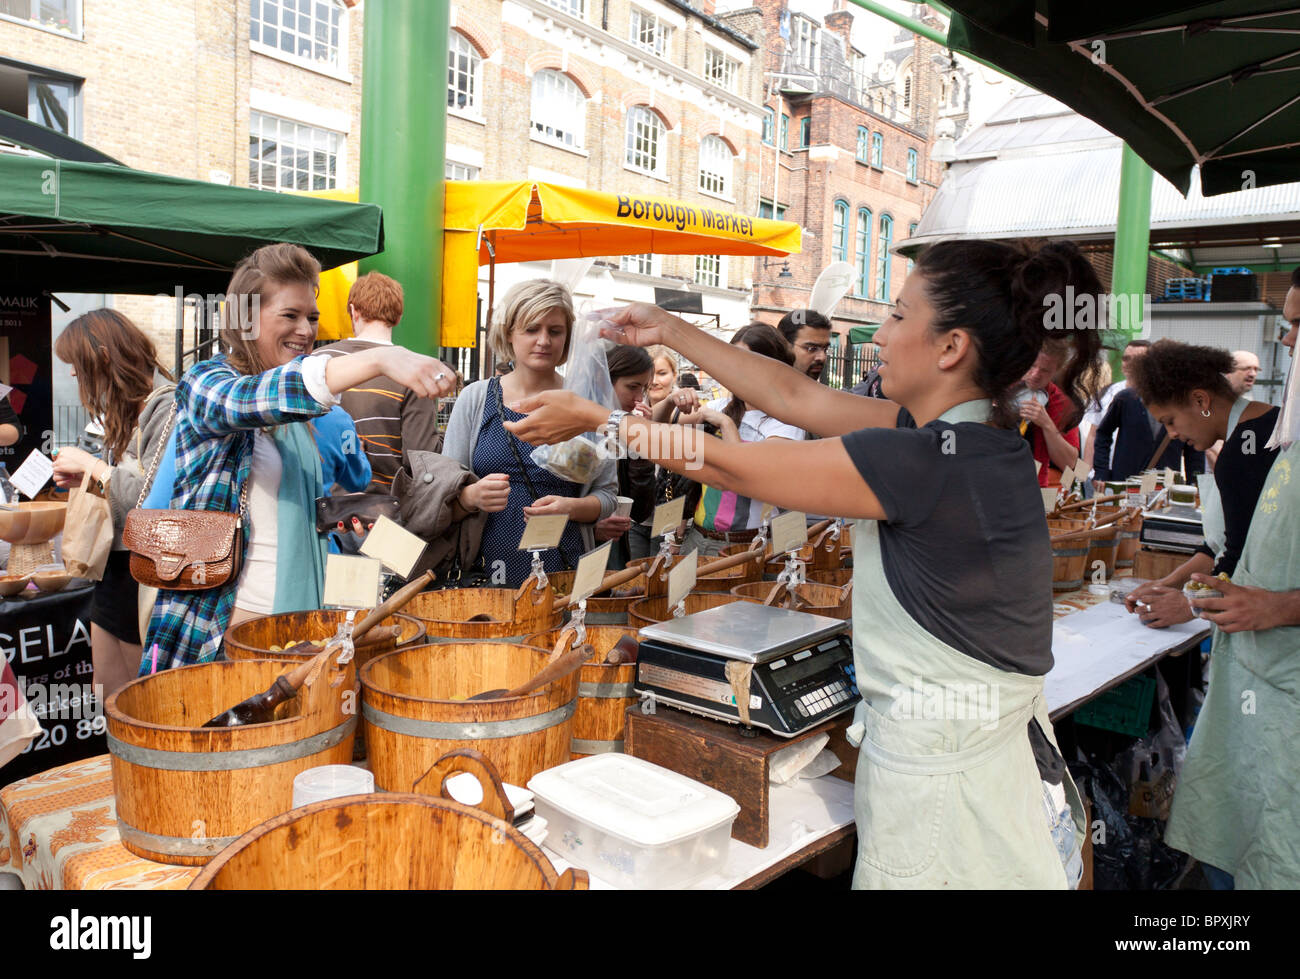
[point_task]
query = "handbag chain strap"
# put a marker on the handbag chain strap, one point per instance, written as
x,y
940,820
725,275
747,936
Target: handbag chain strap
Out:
x,y
157,456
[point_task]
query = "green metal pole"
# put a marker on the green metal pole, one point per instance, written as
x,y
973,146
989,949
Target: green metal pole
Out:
x,y
403,152
1132,245
924,30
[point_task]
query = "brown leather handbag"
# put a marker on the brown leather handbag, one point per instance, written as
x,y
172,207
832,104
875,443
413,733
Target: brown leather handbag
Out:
x,y
183,550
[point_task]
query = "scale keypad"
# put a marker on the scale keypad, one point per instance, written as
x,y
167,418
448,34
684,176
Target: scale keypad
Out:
x,y
824,698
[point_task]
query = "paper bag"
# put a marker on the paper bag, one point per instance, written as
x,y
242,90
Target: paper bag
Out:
x,y
87,531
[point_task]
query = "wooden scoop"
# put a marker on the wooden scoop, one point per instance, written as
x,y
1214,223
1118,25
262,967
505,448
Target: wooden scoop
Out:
x,y
561,664
1088,531
1093,502
397,600
624,651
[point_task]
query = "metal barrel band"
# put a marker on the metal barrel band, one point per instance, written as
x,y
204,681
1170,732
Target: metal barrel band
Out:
x,y
458,731
581,746
176,846
432,640
606,691
226,761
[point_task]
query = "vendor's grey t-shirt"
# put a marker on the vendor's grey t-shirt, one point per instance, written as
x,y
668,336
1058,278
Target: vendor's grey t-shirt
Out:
x,y
964,544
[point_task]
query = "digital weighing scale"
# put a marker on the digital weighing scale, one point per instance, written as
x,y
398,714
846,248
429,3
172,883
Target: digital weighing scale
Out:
x,y
800,665
1176,527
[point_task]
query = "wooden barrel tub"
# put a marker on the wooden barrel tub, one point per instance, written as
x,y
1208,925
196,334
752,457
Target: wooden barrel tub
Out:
x,y
818,599
512,613
648,611
414,710
398,841
839,577
604,691
185,792
1069,558
254,638
601,609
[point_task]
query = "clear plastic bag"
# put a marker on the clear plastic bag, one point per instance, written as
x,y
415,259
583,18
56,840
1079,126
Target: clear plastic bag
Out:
x,y
586,375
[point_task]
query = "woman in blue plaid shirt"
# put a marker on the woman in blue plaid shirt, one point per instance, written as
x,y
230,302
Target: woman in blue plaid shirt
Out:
x,y
237,425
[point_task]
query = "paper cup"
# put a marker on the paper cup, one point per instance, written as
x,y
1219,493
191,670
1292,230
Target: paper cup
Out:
x,y
330,782
624,508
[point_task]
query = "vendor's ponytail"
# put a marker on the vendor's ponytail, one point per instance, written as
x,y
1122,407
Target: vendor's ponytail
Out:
x,y
1003,296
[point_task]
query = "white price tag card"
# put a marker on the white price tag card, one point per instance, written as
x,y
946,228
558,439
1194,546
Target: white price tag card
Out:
x,y
789,531
591,572
1038,467
1049,498
681,578
1148,484
667,516
4,391
543,533
351,581
1171,479
1067,478
33,474
767,513
393,546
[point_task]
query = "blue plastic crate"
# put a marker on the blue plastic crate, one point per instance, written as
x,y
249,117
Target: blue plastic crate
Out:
x,y
1185,289
1231,270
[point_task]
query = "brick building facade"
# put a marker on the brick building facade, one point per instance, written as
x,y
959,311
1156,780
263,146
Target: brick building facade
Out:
x,y
851,147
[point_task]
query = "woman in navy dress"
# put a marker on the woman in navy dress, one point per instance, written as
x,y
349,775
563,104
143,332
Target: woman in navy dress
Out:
x,y
533,331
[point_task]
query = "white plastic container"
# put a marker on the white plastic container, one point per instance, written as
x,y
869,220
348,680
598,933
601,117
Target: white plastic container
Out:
x,y
330,782
634,824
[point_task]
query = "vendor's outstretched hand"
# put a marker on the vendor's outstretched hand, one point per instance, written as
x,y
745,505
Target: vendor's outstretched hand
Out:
x,y
1158,607
1241,609
638,324
554,416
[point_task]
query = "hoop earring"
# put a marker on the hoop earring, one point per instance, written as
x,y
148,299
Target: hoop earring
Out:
x,y
1205,412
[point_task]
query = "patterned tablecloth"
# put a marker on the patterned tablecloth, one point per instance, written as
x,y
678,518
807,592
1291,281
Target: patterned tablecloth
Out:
x,y
58,829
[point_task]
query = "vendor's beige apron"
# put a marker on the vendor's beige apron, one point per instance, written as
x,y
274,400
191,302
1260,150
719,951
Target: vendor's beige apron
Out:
x,y
1237,804
953,800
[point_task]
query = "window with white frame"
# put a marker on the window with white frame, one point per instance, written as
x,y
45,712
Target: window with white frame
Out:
x,y
56,15
716,164
313,30
769,125
288,155
460,171
640,264
721,70
864,138
574,7
645,140
559,109
877,150
911,165
805,43
464,74
650,33
709,271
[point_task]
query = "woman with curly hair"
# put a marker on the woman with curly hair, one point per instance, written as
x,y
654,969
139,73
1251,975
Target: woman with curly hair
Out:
x,y
1184,388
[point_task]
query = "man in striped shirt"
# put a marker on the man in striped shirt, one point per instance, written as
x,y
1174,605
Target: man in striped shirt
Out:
x,y
390,420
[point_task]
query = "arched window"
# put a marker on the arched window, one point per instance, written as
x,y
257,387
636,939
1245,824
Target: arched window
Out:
x,y
559,110
645,140
877,150
715,166
840,233
883,256
861,283
464,73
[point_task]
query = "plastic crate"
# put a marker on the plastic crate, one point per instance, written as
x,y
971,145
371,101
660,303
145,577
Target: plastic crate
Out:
x,y
1125,709
1184,289
1231,270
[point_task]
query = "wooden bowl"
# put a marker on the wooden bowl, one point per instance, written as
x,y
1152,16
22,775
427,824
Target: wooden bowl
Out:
x,y
12,584
51,581
32,523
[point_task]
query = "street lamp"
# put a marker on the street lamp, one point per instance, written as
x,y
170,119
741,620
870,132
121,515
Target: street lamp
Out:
x,y
785,272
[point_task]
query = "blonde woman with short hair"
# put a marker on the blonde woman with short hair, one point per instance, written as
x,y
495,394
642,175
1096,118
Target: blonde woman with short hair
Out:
x,y
533,329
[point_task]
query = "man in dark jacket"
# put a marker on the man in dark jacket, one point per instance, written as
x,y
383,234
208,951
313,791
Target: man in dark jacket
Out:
x,y
1139,435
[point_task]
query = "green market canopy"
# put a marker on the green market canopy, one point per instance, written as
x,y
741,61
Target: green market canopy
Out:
x,y
1213,85
91,227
